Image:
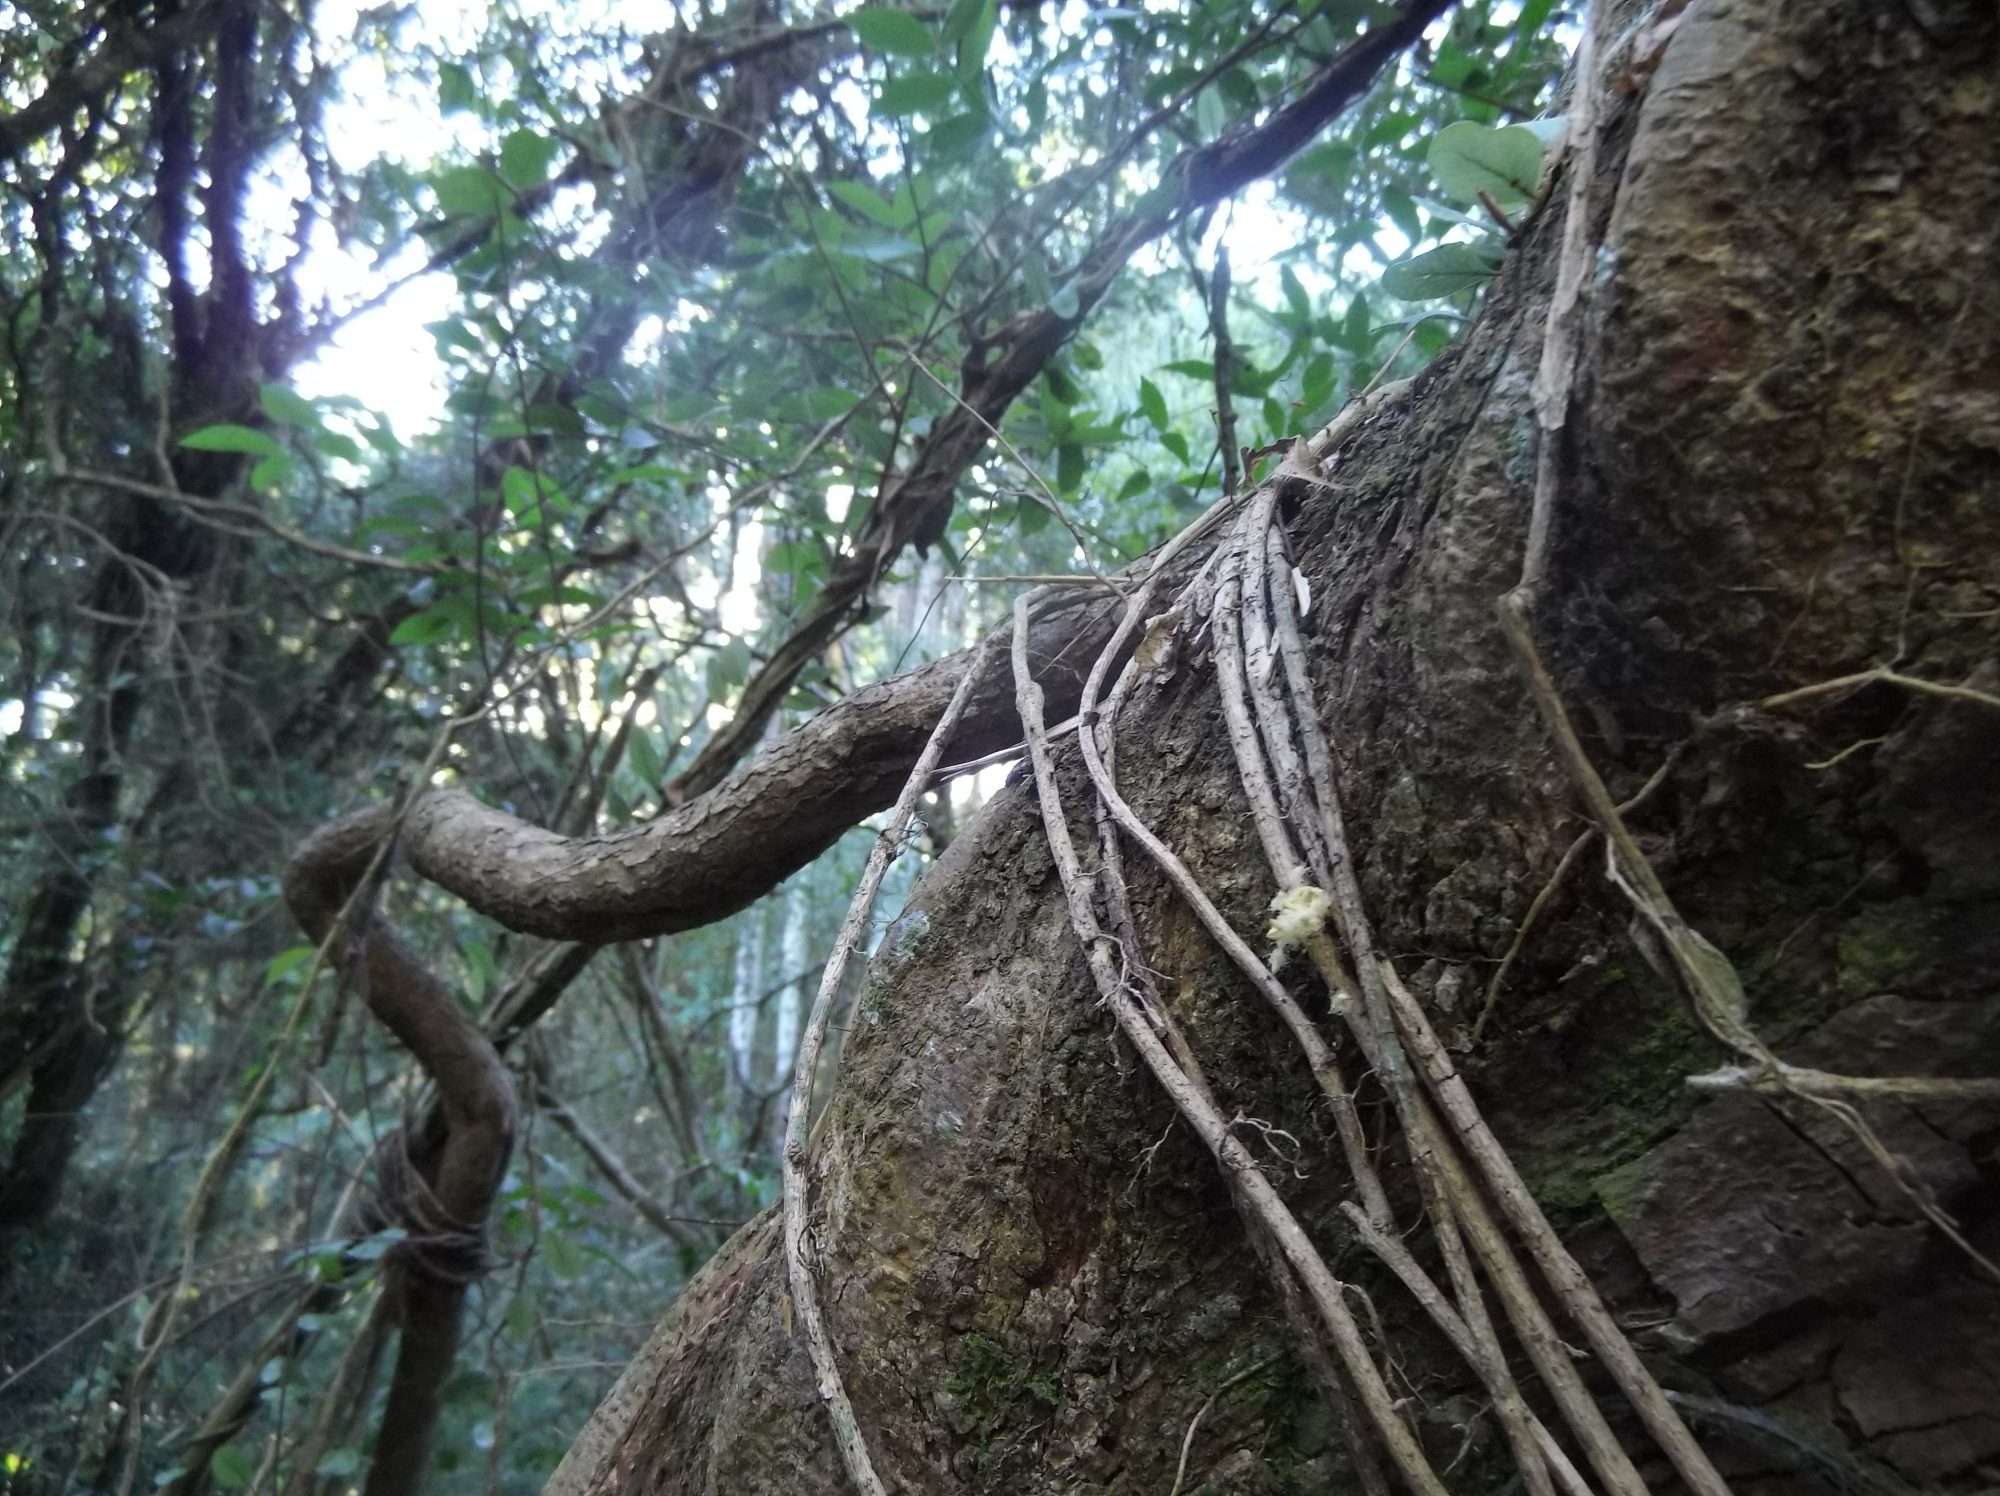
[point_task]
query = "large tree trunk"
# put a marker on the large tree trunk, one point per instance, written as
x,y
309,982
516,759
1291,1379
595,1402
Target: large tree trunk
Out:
x,y
1783,467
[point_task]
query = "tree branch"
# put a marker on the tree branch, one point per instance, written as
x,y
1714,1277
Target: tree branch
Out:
x,y
917,506
719,853
126,50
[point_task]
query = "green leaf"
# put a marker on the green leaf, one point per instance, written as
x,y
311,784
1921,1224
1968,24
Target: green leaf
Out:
x,y
1086,355
973,46
1402,211
561,1255
1444,271
373,1248
1211,113
1193,368
520,1316
1355,332
914,93
287,407
469,192
1055,412
1069,467
338,1463
957,134
893,31
480,968
1390,129
519,489
426,627
287,961
1098,433
456,90
232,1467
645,472
337,444
959,19
1453,66
802,560
545,594
1175,443
1533,13
824,402
525,156
727,669
454,333
1030,516
229,438
1240,89
644,755
272,472
687,406
1432,338
1316,385
869,204
1295,294
1247,379
883,249
1505,164
1138,483
1153,404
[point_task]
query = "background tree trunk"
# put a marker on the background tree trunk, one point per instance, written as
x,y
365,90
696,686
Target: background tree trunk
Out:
x,y
1783,468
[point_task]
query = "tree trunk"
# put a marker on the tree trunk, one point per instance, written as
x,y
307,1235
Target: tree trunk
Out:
x,y
1782,469
56,1026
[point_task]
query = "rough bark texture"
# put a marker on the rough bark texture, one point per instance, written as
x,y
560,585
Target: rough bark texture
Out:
x,y
705,860
1784,467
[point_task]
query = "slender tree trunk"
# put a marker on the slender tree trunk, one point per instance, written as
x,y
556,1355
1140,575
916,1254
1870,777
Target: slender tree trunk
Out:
x,y
744,1008
790,1011
61,1014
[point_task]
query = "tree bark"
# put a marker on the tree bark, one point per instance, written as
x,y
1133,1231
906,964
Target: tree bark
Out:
x,y
57,1030
441,1189
1782,468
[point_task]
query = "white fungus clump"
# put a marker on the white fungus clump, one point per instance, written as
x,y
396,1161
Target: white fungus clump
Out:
x,y
1297,915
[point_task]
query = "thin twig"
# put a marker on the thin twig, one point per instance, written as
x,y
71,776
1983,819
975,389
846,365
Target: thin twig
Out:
x,y
1187,1439
212,512
1548,891
1048,497
1565,315
1887,677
